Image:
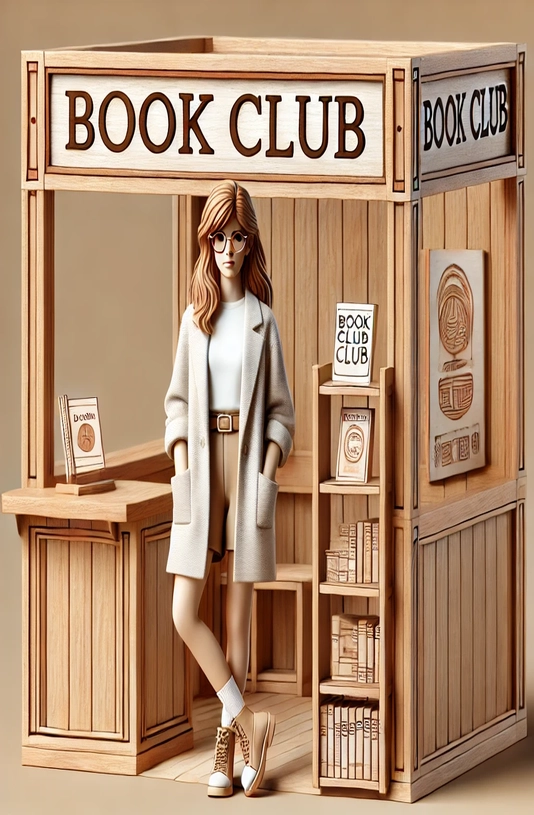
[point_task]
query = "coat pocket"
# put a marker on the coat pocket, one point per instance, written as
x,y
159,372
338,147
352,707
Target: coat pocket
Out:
x,y
181,497
267,492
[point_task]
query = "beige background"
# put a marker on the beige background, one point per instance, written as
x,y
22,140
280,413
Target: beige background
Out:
x,y
119,242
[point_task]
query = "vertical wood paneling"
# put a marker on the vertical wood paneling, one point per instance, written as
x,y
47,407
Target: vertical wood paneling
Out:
x,y
466,605
303,529
466,652
399,664
57,634
165,630
504,614
305,318
283,279
455,238
400,305
150,634
284,623
355,290
513,328
491,619
104,637
428,648
330,288
442,637
377,264
263,215
496,350
455,627
306,354
377,260
80,594
479,626
285,528
479,237
433,223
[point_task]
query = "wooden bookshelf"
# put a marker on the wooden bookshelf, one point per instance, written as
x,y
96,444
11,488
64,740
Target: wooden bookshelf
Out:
x,y
325,594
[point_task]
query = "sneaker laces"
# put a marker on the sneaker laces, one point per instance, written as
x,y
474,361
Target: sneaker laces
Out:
x,y
243,740
222,745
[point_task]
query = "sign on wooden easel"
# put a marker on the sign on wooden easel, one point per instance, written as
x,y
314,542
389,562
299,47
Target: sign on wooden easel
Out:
x,y
82,444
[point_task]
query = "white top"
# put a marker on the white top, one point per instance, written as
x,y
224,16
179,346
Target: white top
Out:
x,y
225,357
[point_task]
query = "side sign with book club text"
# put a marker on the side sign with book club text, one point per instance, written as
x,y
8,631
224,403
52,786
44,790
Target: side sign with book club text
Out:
x,y
466,119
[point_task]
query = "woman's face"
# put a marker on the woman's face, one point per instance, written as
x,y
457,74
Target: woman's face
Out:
x,y
229,262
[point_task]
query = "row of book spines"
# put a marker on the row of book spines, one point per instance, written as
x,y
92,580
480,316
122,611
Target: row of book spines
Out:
x,y
359,562
355,648
349,740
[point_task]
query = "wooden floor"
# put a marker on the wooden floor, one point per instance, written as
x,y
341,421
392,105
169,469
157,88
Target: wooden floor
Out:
x,y
289,758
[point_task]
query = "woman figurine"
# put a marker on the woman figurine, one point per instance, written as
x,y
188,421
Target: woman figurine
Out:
x,y
230,424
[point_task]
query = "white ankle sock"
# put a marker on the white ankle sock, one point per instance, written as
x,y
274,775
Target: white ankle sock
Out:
x,y
231,698
226,718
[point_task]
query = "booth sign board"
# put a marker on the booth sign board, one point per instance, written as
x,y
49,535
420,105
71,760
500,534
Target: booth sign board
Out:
x,y
466,119
298,127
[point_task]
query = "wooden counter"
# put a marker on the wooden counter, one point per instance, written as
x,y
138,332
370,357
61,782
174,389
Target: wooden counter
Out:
x,y
105,674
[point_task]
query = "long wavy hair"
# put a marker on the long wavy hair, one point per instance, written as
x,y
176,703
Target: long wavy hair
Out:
x,y
226,200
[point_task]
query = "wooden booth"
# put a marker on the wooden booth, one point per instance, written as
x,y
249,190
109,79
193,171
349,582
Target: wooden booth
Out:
x,y
364,159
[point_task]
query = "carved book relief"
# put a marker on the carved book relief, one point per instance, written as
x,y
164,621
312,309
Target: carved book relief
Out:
x,y
456,361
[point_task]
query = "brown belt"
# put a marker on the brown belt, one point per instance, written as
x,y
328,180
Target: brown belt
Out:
x,y
224,422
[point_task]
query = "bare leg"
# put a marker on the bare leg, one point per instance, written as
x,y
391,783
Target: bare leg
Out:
x,y
197,636
238,614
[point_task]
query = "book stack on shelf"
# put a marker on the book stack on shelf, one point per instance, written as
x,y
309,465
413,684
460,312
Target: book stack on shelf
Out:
x,y
355,648
349,739
356,560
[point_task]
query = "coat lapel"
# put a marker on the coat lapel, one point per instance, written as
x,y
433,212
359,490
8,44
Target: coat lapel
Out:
x,y
252,349
199,359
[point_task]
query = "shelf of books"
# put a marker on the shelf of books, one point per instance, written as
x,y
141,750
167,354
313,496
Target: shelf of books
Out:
x,y
352,580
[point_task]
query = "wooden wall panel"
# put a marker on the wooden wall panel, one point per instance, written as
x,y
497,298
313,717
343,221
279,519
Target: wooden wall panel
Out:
x,y
56,624
283,280
150,635
105,637
165,633
455,238
433,228
355,290
306,315
479,237
80,566
330,290
479,626
428,649
466,605
480,217
496,349
466,654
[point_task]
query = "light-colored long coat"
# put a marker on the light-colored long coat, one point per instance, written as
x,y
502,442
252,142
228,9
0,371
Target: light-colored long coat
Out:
x,y
266,414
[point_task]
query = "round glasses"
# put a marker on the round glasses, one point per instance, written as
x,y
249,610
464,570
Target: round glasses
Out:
x,y
219,241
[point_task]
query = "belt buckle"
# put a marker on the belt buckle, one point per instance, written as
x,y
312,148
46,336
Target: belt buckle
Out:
x,y
223,429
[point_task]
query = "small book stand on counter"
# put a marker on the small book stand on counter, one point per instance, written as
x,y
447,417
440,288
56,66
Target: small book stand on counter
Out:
x,y
364,159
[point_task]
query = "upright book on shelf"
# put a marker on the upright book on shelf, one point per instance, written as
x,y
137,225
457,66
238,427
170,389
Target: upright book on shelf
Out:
x,y
353,343
355,449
